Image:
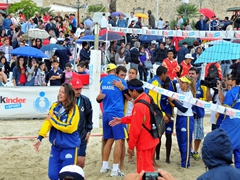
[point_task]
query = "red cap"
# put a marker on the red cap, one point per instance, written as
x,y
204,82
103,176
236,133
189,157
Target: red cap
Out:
x,y
76,83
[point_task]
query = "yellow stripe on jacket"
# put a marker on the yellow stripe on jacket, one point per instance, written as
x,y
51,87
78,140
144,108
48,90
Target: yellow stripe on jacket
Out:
x,y
69,127
156,96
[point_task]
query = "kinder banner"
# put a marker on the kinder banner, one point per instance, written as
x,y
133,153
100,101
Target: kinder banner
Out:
x,y
28,102
180,33
194,101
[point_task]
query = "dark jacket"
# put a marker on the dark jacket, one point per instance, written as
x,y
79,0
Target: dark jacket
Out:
x,y
85,124
181,54
198,26
217,156
235,67
134,53
159,54
84,54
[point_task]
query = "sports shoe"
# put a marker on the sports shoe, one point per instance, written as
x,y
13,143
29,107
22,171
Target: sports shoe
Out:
x,y
195,156
117,173
105,170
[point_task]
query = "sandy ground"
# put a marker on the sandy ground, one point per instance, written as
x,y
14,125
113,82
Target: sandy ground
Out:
x,y
18,160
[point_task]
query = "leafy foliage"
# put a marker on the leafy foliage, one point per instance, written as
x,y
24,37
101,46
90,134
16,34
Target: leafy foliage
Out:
x,y
42,10
96,8
28,8
192,10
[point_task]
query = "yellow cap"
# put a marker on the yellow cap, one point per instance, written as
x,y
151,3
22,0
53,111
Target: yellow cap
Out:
x,y
111,66
185,79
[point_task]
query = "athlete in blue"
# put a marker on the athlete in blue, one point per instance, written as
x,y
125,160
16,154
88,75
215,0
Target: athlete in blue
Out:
x,y
113,106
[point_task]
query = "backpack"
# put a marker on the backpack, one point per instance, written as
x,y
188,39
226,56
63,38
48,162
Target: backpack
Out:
x,y
213,71
157,122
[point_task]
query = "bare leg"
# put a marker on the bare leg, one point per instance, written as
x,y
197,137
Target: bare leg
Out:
x,y
81,161
104,141
121,165
107,149
168,147
117,151
197,143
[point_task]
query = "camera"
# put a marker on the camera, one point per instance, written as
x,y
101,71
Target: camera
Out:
x,y
151,175
210,82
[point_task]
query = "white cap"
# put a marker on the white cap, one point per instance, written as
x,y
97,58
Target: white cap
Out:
x,y
188,56
72,171
153,42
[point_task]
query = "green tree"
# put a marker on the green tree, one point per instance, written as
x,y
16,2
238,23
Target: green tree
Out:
x,y
192,10
96,8
28,8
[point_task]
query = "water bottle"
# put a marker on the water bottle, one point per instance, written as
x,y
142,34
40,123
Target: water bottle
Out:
x,y
154,131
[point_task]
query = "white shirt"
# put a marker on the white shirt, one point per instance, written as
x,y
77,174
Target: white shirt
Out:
x,y
131,19
160,24
185,104
7,53
79,31
129,108
103,22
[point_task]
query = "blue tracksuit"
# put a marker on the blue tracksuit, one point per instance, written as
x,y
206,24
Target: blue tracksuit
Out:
x,y
231,124
184,129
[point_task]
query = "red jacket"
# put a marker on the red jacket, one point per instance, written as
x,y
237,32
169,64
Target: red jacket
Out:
x,y
172,67
138,135
184,68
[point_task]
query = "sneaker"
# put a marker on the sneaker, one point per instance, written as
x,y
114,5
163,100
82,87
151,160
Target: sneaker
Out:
x,y
195,156
105,170
117,173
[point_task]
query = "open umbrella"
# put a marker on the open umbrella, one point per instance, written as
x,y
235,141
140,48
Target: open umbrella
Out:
x,y
2,12
220,52
37,33
188,40
147,38
236,41
233,9
51,47
88,38
142,15
207,12
111,37
28,52
118,14
217,42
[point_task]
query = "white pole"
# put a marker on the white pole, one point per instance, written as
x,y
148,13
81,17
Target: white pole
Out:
x,y
94,87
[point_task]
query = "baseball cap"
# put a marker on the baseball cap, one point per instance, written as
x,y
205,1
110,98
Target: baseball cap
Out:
x,y
111,66
185,79
76,83
153,42
71,171
188,56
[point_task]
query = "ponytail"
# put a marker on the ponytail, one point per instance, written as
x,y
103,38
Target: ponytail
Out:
x,y
192,85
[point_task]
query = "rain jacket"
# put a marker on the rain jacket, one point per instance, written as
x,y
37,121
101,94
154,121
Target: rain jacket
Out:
x,y
217,156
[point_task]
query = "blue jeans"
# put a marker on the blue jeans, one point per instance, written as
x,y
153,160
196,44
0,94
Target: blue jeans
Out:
x,y
225,69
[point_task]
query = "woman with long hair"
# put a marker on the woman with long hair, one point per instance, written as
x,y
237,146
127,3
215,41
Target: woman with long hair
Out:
x,y
19,72
42,74
32,70
185,120
38,44
5,65
62,122
120,57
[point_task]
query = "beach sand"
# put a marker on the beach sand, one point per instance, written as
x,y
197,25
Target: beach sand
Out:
x,y
19,161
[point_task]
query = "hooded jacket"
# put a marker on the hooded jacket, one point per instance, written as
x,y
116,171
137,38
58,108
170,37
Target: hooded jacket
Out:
x,y
217,156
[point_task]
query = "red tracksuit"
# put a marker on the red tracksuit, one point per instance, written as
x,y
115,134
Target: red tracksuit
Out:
x,y
139,137
172,67
185,68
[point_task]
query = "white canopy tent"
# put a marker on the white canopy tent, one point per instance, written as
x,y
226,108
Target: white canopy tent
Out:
x,y
57,8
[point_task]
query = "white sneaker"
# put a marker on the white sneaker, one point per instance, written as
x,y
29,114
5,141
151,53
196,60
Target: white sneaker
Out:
x,y
105,170
117,173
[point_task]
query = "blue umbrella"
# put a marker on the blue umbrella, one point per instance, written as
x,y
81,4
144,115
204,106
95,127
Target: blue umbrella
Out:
x,y
118,14
51,47
147,38
111,36
88,38
28,52
219,52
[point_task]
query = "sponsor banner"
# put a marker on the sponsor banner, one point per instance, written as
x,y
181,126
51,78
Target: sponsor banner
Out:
x,y
153,32
28,102
180,33
234,113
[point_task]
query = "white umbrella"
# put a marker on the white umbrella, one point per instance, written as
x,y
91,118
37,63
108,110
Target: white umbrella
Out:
x,y
37,33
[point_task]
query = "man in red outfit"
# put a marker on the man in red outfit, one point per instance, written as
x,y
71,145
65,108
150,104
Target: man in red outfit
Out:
x,y
171,64
139,137
185,65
